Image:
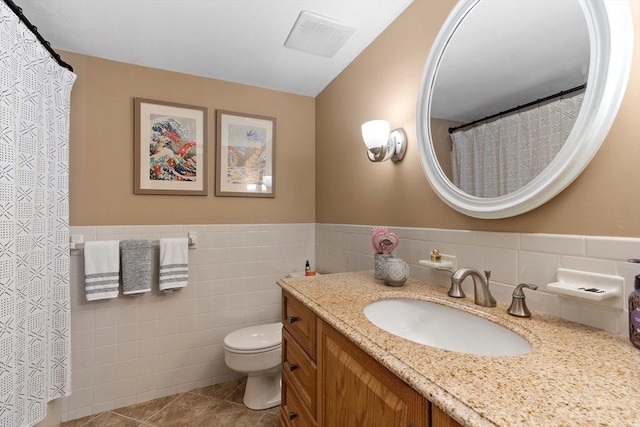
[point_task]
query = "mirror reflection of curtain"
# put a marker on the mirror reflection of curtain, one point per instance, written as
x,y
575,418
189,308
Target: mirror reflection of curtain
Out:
x,y
35,353
499,157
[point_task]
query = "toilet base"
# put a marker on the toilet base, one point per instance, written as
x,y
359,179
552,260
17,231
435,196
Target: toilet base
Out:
x,y
263,391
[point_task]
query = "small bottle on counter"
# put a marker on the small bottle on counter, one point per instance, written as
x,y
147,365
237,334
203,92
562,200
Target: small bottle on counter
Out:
x,y
308,271
634,313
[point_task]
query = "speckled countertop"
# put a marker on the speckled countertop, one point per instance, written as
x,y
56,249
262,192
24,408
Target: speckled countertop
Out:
x,y
574,375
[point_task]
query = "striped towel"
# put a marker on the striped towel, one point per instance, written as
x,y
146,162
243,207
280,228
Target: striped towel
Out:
x,y
102,269
136,266
174,263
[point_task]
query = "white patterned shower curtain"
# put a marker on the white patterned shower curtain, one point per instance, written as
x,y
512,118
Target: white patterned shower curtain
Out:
x,y
499,157
35,92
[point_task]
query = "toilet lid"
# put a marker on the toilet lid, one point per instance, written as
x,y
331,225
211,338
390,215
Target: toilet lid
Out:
x,y
260,337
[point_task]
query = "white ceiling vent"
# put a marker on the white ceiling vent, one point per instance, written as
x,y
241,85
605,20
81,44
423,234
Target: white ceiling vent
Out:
x,y
318,35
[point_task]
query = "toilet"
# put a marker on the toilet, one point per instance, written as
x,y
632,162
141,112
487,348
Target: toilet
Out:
x,y
257,352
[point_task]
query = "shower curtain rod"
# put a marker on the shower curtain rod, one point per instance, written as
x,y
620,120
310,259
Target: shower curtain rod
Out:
x,y
18,11
519,107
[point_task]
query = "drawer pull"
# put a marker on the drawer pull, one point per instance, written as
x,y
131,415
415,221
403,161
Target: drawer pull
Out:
x,y
292,319
292,415
291,367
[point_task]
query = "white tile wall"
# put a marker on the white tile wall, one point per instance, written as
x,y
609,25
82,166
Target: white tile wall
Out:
x,y
132,349
513,258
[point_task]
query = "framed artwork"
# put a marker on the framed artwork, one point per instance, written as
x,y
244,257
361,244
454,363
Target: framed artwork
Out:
x,y
170,148
245,155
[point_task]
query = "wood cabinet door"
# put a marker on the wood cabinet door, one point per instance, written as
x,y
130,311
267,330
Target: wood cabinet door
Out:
x,y
357,391
300,322
299,371
440,419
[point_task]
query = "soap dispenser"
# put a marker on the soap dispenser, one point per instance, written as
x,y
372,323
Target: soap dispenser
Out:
x,y
634,313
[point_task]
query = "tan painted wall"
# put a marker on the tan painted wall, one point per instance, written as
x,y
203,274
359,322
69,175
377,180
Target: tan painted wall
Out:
x,y
383,83
101,148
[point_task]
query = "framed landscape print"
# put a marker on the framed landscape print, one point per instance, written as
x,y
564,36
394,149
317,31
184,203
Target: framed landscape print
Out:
x,y
245,155
170,148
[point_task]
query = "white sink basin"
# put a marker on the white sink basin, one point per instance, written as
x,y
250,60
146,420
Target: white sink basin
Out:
x,y
444,327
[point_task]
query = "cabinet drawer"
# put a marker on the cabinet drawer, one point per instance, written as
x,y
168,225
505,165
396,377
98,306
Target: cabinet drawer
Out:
x,y
293,412
299,371
300,322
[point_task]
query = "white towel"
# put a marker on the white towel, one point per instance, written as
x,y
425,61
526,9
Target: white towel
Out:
x,y
102,269
174,263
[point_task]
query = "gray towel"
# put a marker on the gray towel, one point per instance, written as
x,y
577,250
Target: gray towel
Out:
x,y
136,266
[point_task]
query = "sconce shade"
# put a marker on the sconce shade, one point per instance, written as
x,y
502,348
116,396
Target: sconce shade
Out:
x,y
375,133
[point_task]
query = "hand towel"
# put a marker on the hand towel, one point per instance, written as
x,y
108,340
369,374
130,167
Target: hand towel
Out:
x,y
174,263
102,269
136,266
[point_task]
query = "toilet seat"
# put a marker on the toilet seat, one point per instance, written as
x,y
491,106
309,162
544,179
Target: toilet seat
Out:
x,y
255,339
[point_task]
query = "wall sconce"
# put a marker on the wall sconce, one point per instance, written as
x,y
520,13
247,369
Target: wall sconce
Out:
x,y
382,143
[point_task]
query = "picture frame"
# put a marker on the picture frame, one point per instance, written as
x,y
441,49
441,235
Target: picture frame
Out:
x,y
245,155
170,148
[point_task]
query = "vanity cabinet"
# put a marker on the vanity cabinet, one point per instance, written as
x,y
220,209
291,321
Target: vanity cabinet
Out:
x,y
328,381
299,369
439,418
358,391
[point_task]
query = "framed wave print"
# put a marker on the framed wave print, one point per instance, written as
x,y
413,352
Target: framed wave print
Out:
x,y
170,148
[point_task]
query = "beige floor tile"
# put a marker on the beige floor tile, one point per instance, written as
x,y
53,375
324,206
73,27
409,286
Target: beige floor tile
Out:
x,y
233,415
143,411
238,394
214,406
190,409
275,410
270,420
79,422
109,419
221,391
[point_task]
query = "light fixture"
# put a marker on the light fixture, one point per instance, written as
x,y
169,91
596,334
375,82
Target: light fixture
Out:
x,y
382,142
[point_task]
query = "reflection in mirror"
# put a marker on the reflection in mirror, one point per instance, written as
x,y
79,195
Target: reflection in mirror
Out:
x,y
507,92
609,32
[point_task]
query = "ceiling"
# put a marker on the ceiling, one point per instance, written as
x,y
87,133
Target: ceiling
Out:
x,y
240,41
506,54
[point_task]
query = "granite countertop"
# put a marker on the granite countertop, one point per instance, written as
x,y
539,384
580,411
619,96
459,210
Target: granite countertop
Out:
x,y
574,375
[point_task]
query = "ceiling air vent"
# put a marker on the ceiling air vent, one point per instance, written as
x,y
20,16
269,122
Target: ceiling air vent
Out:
x,y
318,35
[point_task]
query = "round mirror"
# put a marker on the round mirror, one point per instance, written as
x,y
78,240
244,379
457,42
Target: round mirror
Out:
x,y
517,97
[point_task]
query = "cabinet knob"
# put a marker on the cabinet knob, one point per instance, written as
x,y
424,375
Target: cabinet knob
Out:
x,y
292,415
292,319
291,366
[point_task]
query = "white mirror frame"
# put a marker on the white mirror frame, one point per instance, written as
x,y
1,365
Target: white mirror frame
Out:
x,y
611,49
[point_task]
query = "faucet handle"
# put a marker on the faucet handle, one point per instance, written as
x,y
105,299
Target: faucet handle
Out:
x,y
518,293
518,305
487,274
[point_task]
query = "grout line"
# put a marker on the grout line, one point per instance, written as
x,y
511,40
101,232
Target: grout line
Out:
x,y
91,418
123,416
242,383
164,407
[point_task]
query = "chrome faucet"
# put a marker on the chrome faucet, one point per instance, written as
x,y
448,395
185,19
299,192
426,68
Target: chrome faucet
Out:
x,y
481,291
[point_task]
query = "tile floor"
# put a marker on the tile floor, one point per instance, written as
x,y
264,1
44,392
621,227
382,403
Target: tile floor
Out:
x,y
216,405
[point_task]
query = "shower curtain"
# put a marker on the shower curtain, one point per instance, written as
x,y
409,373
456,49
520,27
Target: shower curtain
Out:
x,y
35,365
499,157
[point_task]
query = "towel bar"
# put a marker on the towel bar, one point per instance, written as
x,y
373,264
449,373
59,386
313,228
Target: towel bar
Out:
x,y
76,241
